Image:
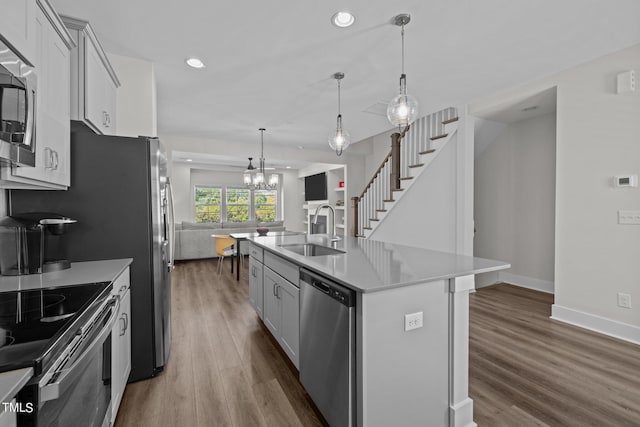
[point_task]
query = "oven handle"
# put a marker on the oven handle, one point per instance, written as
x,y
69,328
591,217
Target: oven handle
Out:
x,y
51,391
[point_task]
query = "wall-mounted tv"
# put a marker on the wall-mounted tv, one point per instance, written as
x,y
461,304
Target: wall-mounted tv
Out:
x,y
315,187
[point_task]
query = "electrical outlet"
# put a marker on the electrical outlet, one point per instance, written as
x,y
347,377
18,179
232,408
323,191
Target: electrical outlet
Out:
x,y
412,321
624,300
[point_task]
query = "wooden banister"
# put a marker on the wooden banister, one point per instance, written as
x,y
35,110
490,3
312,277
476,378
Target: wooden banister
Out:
x,y
354,207
396,138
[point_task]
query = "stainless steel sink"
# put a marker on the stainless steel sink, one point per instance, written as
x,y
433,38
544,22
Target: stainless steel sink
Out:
x,y
311,249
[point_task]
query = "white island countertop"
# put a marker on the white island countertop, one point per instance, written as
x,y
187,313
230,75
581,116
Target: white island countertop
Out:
x,y
370,265
79,273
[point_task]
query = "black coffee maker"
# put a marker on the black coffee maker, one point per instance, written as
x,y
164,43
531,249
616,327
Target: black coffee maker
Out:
x,y
31,243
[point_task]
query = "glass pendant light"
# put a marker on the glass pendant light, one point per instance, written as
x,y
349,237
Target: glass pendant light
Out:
x,y
340,139
403,109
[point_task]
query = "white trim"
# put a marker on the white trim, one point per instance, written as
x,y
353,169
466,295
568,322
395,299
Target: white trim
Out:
x,y
461,414
595,323
526,282
487,279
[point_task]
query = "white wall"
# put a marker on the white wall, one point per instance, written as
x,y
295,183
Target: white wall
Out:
x,y
136,112
425,216
514,201
598,136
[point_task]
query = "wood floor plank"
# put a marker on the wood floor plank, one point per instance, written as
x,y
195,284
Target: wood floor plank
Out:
x,y
274,405
527,368
241,400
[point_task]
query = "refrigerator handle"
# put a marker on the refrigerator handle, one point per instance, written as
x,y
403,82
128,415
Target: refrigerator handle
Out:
x,y
172,226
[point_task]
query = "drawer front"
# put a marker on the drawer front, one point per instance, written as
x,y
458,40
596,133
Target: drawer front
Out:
x,y
256,252
121,284
284,268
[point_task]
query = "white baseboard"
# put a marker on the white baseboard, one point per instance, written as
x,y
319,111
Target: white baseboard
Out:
x,y
461,414
595,323
526,282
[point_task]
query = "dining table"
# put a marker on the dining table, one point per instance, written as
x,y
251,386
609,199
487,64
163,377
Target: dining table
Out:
x,y
240,237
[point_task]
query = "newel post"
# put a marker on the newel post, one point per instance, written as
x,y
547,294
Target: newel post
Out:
x,y
395,161
355,216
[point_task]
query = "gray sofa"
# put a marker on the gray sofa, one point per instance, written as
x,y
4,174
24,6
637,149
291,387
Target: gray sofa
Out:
x,y
194,241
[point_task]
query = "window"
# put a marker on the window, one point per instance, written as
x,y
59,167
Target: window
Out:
x,y
208,204
238,204
264,204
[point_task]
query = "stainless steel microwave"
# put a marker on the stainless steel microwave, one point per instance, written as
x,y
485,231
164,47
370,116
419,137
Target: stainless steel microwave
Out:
x,y
18,85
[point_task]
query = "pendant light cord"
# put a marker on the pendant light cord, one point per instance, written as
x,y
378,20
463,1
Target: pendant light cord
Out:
x,y
402,36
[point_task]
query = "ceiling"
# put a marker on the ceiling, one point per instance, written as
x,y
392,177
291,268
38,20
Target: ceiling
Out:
x,y
269,64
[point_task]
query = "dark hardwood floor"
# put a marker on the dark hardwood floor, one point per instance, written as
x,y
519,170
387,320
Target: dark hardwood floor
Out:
x,y
224,368
529,370
525,369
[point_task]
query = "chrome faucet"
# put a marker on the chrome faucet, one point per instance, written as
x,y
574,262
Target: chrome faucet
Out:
x,y
334,237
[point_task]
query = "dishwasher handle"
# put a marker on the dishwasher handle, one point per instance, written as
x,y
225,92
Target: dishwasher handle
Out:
x,y
321,286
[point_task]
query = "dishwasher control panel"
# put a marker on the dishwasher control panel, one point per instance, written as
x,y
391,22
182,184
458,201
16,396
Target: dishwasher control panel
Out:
x,y
338,292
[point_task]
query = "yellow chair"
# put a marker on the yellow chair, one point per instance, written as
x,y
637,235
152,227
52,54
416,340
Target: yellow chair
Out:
x,y
224,247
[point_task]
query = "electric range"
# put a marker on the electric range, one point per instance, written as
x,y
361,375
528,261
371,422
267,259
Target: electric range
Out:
x,y
36,325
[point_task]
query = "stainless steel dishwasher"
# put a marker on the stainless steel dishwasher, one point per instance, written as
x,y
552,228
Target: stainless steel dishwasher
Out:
x,y
327,347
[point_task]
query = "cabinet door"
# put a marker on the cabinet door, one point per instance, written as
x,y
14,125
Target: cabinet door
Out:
x,y
17,26
272,310
52,169
289,296
126,338
99,95
256,292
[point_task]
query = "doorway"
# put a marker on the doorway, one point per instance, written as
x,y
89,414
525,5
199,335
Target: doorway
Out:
x,y
514,189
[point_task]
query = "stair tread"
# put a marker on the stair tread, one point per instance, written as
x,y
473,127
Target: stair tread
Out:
x,y
428,151
381,210
445,122
389,200
374,219
406,177
444,135
399,189
367,228
417,165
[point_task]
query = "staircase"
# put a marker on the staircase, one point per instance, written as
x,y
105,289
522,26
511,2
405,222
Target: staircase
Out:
x,y
411,153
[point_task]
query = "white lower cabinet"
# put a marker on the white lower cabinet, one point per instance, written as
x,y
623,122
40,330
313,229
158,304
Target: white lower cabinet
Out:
x,y
120,344
256,292
282,312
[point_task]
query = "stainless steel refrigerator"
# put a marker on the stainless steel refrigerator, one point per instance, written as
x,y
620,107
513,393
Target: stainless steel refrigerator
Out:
x,y
120,195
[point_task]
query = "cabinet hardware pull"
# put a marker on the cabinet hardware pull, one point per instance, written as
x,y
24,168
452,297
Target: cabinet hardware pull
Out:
x,y
55,160
277,293
126,321
124,327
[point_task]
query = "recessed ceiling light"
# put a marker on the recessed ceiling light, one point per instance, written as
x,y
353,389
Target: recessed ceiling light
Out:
x,y
189,160
343,19
194,63
288,167
533,107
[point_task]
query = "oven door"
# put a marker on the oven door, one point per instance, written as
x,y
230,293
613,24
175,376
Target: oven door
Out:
x,y
17,109
77,389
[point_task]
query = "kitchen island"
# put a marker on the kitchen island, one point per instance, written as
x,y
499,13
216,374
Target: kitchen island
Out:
x,y
405,374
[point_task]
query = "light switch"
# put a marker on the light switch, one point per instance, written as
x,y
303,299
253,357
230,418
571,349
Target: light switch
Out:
x,y
629,217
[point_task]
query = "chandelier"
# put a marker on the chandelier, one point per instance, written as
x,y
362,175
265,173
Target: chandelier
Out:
x,y
255,178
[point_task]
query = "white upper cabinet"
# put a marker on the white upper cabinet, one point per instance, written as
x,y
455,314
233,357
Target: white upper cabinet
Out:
x,y
17,27
93,80
52,45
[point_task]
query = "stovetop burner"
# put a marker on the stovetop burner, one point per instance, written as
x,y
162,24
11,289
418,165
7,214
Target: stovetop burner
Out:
x,y
32,321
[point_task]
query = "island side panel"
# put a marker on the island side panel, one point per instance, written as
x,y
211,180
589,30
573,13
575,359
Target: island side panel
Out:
x,y
461,405
403,377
